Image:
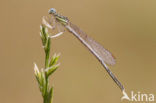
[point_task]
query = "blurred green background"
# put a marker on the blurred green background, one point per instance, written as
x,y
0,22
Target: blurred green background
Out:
x,y
125,27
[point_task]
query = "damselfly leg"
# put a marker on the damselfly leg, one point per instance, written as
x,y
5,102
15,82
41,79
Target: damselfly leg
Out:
x,y
51,23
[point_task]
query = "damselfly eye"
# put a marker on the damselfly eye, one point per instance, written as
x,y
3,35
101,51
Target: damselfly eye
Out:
x,y
52,11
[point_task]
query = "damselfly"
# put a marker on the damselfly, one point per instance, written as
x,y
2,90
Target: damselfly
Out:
x,y
103,55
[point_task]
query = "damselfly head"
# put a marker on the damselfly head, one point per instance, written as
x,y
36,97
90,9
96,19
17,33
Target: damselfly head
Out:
x,y
52,11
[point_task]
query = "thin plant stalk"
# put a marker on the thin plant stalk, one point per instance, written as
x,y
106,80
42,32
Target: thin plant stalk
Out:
x,y
42,76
